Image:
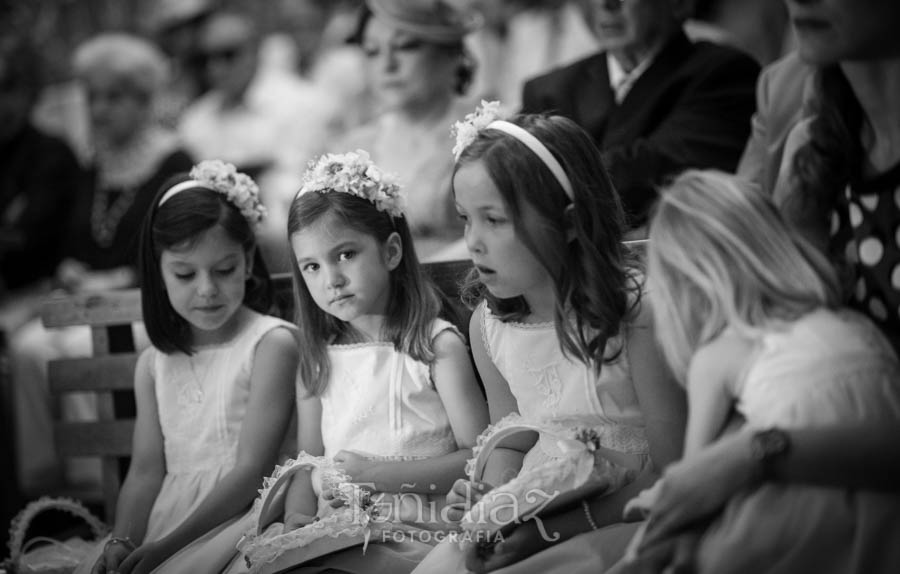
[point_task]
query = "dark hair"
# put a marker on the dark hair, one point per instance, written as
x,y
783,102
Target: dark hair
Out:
x,y
414,301
466,64
824,165
181,220
592,274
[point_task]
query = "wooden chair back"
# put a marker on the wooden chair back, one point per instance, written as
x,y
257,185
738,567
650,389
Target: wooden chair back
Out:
x,y
109,370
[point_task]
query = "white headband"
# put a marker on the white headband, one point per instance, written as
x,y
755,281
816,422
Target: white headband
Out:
x,y
179,187
539,150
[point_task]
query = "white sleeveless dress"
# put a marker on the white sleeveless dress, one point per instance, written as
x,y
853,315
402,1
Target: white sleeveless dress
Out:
x,y
202,401
826,368
551,387
382,403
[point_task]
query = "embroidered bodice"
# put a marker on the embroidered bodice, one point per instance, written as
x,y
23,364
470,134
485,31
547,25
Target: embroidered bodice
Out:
x,y
549,386
384,403
202,399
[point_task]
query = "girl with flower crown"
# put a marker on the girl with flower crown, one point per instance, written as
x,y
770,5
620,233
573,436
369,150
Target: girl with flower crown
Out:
x,y
562,339
387,391
215,392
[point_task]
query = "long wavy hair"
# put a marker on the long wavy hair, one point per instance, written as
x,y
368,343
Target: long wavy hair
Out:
x,y
830,159
595,279
720,255
413,305
179,222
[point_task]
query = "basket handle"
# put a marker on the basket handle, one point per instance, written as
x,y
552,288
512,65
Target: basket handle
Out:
x,y
19,525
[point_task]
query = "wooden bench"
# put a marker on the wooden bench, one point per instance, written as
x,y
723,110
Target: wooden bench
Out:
x,y
109,372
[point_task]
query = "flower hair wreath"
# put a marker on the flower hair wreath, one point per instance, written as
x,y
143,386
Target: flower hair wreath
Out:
x,y
466,131
219,176
489,116
356,174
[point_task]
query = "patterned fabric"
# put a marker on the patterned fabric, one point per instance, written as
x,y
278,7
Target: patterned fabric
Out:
x,y
865,235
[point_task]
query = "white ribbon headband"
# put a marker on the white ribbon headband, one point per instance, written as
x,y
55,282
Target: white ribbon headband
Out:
x,y
539,150
179,187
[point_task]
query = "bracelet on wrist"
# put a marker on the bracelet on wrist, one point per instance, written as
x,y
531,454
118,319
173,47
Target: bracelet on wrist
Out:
x,y
124,541
588,515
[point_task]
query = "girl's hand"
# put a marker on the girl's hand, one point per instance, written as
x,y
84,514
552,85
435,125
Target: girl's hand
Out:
x,y
699,486
463,495
145,559
112,556
518,542
354,464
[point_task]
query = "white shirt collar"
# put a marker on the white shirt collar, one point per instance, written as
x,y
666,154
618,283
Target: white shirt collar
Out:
x,y
621,81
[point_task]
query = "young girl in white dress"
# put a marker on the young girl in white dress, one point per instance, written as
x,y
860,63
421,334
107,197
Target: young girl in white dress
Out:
x,y
387,388
749,318
215,391
561,333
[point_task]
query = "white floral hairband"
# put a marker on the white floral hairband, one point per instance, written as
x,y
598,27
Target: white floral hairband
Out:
x,y
221,177
489,116
356,174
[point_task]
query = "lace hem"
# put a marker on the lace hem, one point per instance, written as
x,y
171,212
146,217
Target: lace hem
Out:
x,y
580,470
612,436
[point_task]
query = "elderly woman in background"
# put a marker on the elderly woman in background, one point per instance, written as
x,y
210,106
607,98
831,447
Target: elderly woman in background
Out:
x,y
132,157
418,68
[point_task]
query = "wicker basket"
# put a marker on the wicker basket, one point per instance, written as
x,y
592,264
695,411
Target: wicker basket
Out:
x,y
53,557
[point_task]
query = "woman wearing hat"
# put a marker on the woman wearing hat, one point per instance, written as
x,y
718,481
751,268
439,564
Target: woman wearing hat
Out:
x,y
418,70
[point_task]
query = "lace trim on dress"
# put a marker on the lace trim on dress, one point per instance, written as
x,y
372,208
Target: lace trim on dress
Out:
x,y
579,468
355,522
612,436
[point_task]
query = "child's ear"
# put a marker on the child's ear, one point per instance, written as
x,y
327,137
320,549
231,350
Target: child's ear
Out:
x,y
393,251
569,222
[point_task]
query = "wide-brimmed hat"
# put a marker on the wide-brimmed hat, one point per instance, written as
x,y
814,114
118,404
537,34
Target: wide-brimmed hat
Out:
x,y
435,20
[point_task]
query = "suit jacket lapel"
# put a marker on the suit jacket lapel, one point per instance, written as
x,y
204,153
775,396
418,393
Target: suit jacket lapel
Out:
x,y
594,101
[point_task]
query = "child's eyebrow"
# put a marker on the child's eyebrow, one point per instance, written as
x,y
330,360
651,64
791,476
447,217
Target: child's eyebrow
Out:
x,y
331,251
344,245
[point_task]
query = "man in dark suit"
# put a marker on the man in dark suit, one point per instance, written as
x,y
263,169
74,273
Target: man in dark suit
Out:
x,y
654,102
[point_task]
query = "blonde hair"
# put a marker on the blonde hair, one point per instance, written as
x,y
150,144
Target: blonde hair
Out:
x,y
135,62
721,256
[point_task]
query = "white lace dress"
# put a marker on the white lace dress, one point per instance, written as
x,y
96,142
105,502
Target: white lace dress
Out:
x,y
550,388
202,401
381,403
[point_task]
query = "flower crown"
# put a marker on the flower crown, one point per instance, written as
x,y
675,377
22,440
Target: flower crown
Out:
x,y
238,187
224,178
467,130
356,174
